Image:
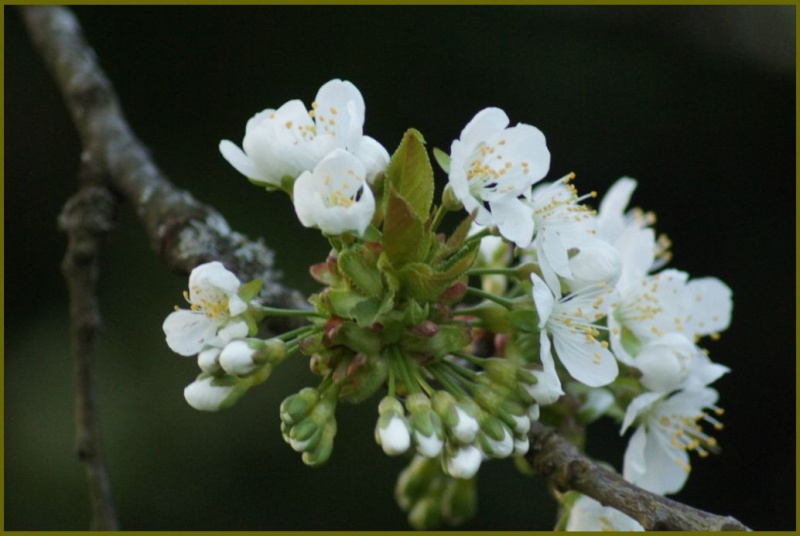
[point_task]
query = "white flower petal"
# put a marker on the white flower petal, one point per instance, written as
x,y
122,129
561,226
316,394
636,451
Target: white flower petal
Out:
x,y
637,406
514,220
373,155
236,157
187,331
634,463
710,303
543,299
588,362
485,124
548,387
204,396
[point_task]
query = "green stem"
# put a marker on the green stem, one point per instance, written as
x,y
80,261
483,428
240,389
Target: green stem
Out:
x,y
475,360
511,272
468,311
421,379
438,217
466,374
273,311
405,373
489,296
479,235
298,333
447,383
391,381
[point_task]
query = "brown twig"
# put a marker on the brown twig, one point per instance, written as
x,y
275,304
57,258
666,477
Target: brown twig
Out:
x,y
86,218
567,468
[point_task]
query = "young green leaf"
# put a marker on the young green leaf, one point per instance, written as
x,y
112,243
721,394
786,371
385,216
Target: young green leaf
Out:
x,y
411,175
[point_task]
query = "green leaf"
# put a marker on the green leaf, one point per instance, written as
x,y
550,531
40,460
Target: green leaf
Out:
x,y
404,236
410,173
359,265
342,301
367,312
442,158
456,239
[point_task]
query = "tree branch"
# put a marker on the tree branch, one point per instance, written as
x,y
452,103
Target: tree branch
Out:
x,y
182,231
567,469
86,218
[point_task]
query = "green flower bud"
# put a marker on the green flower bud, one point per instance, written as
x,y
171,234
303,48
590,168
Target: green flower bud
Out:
x,y
501,371
415,481
426,514
494,316
459,500
492,427
320,453
365,375
449,199
271,351
444,404
389,405
304,430
296,407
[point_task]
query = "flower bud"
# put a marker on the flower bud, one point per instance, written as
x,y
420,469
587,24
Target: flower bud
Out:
x,y
497,448
426,425
426,513
459,500
212,394
415,480
392,431
392,434
501,371
464,462
237,358
295,407
321,451
207,360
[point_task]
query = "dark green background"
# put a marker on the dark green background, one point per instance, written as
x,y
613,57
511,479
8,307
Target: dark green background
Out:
x,y
696,103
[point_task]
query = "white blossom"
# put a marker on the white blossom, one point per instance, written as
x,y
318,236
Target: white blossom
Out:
x,y
588,515
657,455
562,224
335,196
212,316
492,166
570,321
287,141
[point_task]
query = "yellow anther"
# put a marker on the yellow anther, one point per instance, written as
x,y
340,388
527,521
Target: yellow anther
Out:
x,y
289,124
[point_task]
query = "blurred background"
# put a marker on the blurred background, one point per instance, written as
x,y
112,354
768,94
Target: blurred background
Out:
x,y
697,103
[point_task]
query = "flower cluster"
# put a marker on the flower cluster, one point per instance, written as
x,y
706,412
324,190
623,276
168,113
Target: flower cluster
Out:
x,y
574,316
